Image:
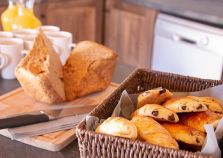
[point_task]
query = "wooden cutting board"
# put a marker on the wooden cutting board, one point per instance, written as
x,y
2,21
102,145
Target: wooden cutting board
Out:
x,y
17,101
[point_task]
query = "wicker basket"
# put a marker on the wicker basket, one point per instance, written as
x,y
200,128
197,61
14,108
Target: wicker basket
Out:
x,y
94,145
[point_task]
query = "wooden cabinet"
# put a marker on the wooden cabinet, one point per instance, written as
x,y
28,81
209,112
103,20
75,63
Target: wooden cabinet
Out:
x,y
129,31
125,27
83,18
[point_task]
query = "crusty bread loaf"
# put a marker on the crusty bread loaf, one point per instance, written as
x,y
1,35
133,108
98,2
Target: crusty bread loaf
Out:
x,y
88,69
40,72
118,126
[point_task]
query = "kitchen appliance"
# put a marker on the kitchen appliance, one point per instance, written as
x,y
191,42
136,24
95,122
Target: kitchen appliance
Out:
x,y
188,48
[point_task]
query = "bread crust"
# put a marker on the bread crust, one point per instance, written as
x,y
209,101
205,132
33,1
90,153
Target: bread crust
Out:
x,y
88,69
37,71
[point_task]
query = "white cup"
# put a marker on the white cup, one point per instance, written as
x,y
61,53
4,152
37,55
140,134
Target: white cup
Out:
x,y
28,45
50,28
23,33
11,50
63,40
4,34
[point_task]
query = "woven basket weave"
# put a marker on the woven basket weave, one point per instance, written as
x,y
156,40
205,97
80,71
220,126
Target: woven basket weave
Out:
x,y
92,145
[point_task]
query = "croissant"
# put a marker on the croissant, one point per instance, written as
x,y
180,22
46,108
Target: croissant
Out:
x,y
152,132
118,126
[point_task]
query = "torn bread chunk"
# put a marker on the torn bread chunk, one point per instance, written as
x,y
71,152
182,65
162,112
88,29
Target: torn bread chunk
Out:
x,y
88,69
40,72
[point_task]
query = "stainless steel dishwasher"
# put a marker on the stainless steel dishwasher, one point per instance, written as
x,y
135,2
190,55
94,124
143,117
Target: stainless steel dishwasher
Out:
x,y
188,48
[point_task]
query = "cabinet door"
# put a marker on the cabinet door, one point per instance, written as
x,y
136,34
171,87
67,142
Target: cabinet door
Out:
x,y
81,18
129,31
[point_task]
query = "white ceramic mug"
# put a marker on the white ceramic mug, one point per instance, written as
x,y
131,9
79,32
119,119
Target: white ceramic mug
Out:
x,y
4,34
28,45
10,54
63,40
23,33
50,28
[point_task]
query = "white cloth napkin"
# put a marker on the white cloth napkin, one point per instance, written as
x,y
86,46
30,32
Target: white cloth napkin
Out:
x,y
46,127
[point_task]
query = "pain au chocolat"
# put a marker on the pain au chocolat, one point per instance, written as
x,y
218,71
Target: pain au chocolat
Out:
x,y
158,112
185,134
184,104
197,120
153,96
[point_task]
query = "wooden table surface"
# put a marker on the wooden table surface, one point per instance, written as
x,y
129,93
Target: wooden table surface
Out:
x,y
14,149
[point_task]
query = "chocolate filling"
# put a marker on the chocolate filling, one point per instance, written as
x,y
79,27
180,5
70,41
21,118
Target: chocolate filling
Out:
x,y
171,117
162,91
155,113
184,107
197,140
200,107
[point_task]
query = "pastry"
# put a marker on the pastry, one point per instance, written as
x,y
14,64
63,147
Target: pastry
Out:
x,y
158,112
118,126
185,104
199,119
152,132
211,103
185,134
40,72
88,69
153,96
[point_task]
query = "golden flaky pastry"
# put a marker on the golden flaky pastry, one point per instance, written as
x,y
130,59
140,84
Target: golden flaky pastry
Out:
x,y
88,69
153,96
152,132
185,133
185,104
211,103
118,126
40,72
158,112
199,119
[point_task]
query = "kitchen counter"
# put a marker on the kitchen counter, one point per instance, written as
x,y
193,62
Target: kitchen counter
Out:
x,y
207,11
15,149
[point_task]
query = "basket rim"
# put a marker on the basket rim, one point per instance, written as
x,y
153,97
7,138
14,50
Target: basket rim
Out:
x,y
138,142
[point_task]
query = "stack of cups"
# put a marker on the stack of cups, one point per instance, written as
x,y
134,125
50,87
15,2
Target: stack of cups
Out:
x,y
13,46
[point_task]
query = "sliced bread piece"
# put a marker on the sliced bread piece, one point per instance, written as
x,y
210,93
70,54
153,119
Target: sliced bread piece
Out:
x,y
88,69
40,72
